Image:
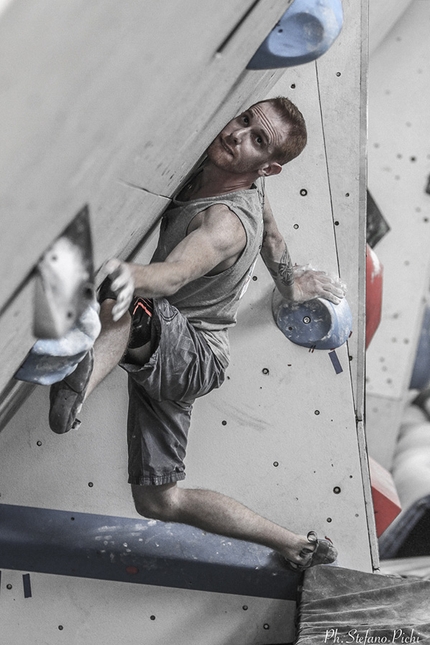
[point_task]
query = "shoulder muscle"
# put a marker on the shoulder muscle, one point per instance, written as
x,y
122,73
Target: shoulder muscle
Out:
x,y
221,225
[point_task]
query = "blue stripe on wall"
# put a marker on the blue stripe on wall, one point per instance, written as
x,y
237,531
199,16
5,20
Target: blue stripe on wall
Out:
x,y
139,551
26,585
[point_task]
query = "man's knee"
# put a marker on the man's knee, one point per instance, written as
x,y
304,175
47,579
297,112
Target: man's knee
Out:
x,y
156,502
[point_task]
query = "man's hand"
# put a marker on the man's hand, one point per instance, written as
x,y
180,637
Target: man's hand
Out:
x,y
310,283
122,284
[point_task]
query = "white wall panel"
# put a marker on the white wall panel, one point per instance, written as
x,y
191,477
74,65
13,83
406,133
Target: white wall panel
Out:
x,y
77,611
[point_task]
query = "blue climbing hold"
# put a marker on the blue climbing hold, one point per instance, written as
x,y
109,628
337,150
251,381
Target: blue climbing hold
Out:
x,y
420,378
317,323
52,359
306,31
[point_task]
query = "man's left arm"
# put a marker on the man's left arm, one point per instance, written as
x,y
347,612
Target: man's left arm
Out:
x,y
295,283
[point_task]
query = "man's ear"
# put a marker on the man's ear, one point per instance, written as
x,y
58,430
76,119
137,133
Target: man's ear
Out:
x,y
273,168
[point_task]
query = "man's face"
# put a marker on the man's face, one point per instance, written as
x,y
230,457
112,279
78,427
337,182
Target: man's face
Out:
x,y
248,142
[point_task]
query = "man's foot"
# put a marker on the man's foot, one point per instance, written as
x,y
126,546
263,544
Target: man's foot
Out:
x,y
316,551
66,396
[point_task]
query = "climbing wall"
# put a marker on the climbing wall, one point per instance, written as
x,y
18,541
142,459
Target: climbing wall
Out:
x,y
83,90
399,167
284,434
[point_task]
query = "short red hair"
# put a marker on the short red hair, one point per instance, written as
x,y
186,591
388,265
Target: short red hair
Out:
x,y
297,137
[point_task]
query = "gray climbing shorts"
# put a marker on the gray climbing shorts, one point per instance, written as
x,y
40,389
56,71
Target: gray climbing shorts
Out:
x,y
161,396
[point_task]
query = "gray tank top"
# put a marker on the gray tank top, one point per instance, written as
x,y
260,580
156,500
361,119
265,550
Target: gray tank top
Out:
x,y
210,303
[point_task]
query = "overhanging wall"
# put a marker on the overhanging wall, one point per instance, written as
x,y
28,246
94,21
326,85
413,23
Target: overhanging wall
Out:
x,y
282,434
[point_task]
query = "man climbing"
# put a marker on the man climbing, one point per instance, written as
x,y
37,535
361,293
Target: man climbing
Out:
x,y
166,323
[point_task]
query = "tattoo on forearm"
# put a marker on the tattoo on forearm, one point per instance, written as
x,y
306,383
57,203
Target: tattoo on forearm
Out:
x,y
285,269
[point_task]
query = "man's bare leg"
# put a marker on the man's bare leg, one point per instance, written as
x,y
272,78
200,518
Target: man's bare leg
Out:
x,y
68,395
204,509
217,513
110,346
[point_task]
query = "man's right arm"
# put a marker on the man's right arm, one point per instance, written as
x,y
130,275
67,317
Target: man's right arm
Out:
x,y
275,255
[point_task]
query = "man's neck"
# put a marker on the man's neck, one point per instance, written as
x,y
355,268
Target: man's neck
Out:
x,y
214,181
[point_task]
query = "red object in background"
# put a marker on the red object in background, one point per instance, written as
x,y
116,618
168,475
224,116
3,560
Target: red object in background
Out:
x,y
386,503
374,275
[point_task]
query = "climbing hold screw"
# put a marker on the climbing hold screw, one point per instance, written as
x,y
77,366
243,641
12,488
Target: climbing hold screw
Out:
x,y
9,586
265,370
306,320
245,607
266,626
303,192
336,490
38,443
329,519
317,412
224,423
276,464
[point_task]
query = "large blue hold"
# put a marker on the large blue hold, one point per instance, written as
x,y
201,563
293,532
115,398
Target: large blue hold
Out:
x,y
306,31
316,323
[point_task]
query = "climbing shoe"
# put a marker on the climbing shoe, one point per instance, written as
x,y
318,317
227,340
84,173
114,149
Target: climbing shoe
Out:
x,y
323,553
